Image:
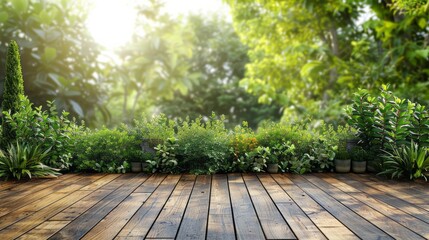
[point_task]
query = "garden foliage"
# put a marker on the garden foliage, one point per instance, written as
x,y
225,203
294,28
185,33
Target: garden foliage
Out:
x,y
45,128
13,90
387,125
25,160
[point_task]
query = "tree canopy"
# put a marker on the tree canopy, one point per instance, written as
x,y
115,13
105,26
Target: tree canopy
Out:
x,y
311,55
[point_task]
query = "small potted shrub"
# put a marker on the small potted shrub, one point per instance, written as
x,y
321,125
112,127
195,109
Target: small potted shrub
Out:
x,y
342,161
272,164
135,158
359,157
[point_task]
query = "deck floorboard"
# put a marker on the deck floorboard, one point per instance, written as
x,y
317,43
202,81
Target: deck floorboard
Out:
x,y
224,206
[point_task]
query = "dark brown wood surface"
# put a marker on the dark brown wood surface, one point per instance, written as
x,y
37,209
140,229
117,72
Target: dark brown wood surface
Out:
x,y
224,206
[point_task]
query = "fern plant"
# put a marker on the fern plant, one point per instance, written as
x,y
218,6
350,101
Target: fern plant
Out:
x,y
411,161
22,160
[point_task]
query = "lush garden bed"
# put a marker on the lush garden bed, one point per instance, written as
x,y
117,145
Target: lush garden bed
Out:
x,y
391,135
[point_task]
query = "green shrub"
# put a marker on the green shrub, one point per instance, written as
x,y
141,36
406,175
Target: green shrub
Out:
x,y
321,155
243,140
410,161
105,150
386,119
13,91
165,160
20,160
203,146
47,129
270,134
156,129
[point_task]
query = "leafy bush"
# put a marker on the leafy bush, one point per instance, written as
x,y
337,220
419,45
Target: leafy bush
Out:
x,y
20,160
270,134
321,155
156,129
406,161
47,129
284,153
388,120
105,150
243,140
165,160
203,146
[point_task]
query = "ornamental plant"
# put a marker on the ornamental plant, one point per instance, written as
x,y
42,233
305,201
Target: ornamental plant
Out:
x,y
13,90
47,128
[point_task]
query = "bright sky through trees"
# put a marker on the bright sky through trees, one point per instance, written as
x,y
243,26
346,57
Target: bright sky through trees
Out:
x,y
111,22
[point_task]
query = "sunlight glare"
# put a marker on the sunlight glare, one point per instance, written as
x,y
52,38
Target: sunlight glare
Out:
x,y
111,22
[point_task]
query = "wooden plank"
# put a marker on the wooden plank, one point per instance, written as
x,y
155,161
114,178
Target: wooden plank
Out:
x,y
19,228
272,222
194,223
395,214
102,183
18,191
246,221
106,186
386,224
116,219
300,223
353,221
13,214
388,199
404,194
168,222
82,224
220,223
328,224
139,225
17,199
44,230
150,186
7,185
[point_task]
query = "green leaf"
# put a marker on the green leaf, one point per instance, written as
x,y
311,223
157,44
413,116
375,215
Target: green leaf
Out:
x,y
422,23
50,54
311,67
423,53
20,6
77,108
3,17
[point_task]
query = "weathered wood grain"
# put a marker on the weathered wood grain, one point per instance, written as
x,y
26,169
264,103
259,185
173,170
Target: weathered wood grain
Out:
x,y
82,224
299,222
140,224
220,223
194,222
271,220
168,222
233,206
325,221
246,221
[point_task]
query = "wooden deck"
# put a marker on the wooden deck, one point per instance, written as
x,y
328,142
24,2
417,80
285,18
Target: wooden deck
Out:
x,y
233,206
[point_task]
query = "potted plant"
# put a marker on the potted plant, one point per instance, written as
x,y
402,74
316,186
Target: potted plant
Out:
x,y
342,161
272,164
134,157
359,157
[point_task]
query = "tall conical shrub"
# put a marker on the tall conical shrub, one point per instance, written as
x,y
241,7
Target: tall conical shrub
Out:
x,y
13,89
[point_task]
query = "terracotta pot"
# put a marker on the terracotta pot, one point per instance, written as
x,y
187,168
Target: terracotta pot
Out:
x,y
272,168
342,166
359,166
136,166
